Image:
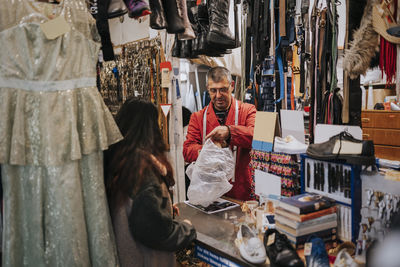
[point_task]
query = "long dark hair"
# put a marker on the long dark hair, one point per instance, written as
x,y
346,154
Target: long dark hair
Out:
x,y
126,161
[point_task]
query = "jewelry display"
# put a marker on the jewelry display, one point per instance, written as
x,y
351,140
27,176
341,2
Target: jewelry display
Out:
x,y
134,72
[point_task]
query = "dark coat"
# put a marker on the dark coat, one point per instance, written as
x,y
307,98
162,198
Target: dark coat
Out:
x,y
146,233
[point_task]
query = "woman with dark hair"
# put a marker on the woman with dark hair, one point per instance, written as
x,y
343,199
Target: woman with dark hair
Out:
x,y
138,180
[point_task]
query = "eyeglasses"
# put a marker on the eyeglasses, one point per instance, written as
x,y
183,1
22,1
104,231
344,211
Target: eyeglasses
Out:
x,y
222,90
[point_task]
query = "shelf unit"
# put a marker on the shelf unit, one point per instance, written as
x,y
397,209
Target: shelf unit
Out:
x,y
349,210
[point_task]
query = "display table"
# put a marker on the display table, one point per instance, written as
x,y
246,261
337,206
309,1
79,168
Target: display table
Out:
x,y
216,234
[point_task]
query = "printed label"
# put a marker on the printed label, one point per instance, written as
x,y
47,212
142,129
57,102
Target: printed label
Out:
x,y
307,249
271,239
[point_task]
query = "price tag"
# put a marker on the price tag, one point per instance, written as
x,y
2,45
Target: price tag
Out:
x,y
165,78
55,28
271,239
307,249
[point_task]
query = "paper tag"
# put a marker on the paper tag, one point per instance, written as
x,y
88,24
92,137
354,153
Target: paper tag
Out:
x,y
347,148
165,80
165,108
55,28
307,249
271,239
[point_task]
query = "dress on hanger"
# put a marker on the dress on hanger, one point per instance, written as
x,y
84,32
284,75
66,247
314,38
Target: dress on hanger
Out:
x,y
54,126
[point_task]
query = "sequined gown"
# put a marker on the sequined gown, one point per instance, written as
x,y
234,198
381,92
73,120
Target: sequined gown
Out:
x,y
53,128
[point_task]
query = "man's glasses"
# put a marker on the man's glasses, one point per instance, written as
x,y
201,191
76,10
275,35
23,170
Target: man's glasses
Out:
x,y
222,90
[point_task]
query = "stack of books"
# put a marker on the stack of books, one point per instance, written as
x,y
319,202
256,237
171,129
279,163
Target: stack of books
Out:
x,y
302,216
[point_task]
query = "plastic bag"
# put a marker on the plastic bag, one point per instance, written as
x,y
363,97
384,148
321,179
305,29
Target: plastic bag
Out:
x,y
210,174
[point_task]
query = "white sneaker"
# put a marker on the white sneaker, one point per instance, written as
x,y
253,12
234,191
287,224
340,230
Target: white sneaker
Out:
x,y
393,106
343,259
251,248
289,145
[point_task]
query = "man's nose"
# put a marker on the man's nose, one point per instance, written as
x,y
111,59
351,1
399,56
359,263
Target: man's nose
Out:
x,y
218,94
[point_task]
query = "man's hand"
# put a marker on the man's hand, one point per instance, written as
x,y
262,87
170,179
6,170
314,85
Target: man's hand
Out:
x,y
220,133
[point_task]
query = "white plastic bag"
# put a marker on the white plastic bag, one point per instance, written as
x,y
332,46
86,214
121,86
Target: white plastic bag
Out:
x,y
210,174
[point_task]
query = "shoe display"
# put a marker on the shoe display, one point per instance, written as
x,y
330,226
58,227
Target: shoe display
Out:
x,y
116,8
174,16
137,8
188,34
279,250
250,246
318,256
157,16
176,49
289,145
219,33
344,147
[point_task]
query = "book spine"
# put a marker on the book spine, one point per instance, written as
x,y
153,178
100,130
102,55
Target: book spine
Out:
x,y
316,221
326,235
309,209
316,228
314,215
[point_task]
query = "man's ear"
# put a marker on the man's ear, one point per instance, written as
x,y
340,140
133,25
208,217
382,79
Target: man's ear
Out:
x,y
231,87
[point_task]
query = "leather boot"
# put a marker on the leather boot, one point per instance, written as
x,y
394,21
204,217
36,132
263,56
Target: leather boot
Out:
x,y
188,34
193,18
186,48
116,9
157,16
174,16
203,46
137,8
219,33
203,25
176,49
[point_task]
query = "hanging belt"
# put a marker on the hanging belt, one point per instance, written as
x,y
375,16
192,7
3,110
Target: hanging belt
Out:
x,y
334,47
236,123
243,49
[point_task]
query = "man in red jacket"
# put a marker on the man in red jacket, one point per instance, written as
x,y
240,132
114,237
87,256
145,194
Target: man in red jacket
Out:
x,y
227,120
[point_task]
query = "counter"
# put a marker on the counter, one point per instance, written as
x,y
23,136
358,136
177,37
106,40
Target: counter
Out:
x,y
216,234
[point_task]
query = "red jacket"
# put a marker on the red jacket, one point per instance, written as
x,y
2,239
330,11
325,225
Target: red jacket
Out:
x,y
241,136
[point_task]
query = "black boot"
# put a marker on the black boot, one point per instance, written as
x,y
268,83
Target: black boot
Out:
x,y
203,27
174,16
157,16
219,33
203,47
176,49
186,48
194,21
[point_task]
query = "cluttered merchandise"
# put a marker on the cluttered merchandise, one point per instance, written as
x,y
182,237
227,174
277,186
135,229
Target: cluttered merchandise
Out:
x,y
199,133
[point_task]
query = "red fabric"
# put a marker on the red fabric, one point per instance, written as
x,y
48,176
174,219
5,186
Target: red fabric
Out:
x,y
388,54
241,136
387,60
